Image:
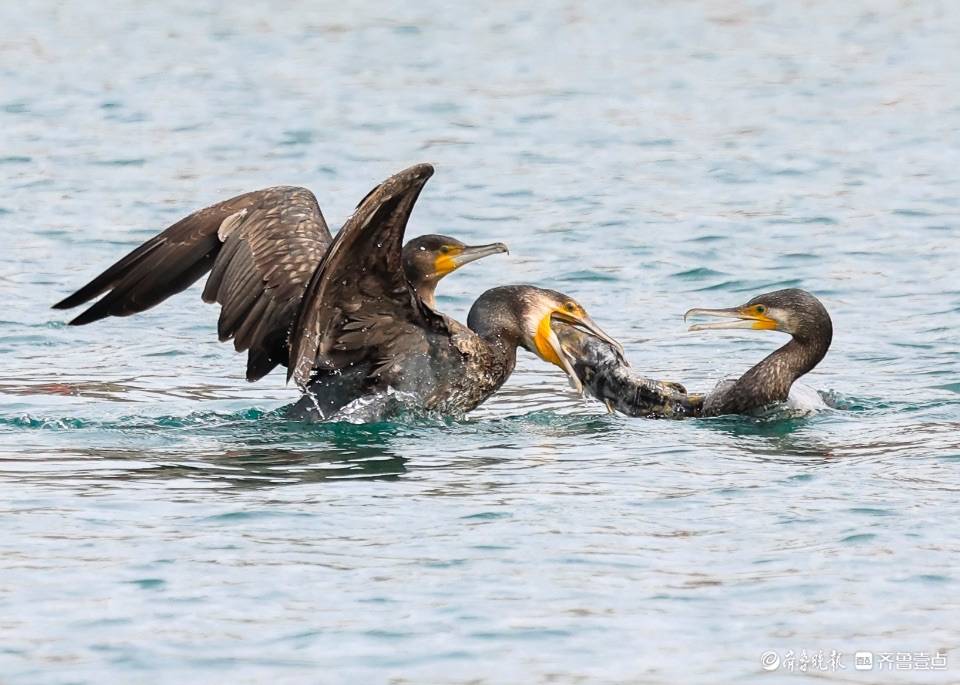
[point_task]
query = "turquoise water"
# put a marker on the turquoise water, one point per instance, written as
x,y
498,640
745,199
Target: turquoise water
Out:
x,y
162,523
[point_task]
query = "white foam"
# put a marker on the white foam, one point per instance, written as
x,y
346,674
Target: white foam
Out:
x,y
804,398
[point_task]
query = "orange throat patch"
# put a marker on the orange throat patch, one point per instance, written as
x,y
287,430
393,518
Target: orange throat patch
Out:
x,y
542,342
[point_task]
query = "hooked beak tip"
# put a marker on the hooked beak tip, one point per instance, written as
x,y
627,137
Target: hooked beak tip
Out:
x,y
494,248
588,326
700,311
472,253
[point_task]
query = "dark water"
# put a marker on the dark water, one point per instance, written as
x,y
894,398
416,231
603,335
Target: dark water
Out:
x,y
160,523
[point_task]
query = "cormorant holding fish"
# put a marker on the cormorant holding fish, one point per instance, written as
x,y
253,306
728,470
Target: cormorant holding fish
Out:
x,y
261,249
792,311
362,330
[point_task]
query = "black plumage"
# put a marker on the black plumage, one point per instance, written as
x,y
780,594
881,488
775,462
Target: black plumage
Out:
x,y
605,374
363,330
260,249
791,311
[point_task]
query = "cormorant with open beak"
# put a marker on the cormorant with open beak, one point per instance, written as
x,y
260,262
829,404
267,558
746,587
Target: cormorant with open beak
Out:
x,y
792,311
606,376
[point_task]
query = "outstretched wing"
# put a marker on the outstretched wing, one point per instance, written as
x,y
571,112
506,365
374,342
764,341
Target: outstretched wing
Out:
x,y
358,308
262,248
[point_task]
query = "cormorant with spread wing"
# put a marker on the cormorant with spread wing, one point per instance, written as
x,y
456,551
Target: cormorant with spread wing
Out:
x,y
362,330
261,248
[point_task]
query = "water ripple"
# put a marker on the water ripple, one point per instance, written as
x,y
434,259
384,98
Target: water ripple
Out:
x,y
164,521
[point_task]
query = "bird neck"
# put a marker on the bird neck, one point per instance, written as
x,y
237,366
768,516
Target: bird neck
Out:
x,y
770,380
497,329
426,292
499,338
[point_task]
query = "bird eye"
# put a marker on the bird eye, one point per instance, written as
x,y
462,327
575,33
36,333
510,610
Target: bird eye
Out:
x,y
444,249
761,309
570,307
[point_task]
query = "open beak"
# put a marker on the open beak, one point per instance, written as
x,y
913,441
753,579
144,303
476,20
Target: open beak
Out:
x,y
587,325
448,263
745,318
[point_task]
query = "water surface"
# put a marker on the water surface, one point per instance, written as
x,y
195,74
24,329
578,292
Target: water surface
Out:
x,y
163,523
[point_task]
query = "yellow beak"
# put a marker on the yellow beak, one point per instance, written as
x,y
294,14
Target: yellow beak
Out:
x,y
745,318
453,260
550,350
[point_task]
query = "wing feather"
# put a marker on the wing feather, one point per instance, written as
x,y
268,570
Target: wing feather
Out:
x,y
243,336
260,248
358,305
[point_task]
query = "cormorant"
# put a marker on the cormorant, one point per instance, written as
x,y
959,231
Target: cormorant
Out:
x,y
605,374
261,249
362,331
791,311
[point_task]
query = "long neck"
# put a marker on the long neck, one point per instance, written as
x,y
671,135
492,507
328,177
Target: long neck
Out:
x,y
770,380
499,338
497,329
425,291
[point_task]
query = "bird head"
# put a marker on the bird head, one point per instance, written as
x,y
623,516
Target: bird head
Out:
x,y
429,258
540,309
791,311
